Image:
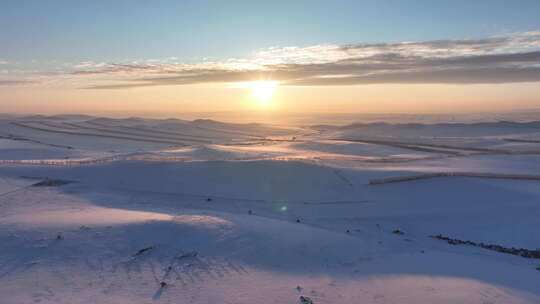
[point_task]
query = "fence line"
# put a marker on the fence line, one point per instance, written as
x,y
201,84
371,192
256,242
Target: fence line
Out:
x,y
407,178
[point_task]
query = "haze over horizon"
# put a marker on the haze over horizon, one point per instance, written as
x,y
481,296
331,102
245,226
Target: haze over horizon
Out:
x,y
306,56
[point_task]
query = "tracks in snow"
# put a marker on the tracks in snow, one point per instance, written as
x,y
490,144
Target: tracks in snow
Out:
x,y
445,149
94,134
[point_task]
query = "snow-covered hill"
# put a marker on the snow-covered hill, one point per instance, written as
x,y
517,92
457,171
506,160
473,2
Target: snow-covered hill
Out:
x,y
100,210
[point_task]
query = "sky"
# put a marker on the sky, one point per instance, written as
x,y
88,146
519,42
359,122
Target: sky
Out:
x,y
283,56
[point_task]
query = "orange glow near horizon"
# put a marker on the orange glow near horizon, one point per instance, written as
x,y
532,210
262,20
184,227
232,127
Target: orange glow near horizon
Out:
x,y
273,97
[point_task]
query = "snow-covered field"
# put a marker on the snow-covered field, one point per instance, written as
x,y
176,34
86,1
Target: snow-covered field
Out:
x,y
101,210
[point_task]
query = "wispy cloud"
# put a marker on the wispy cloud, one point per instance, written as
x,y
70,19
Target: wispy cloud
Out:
x,y
513,58
10,82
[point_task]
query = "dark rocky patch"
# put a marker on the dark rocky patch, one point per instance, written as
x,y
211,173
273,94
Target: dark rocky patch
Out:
x,y
522,252
398,232
143,250
52,183
305,300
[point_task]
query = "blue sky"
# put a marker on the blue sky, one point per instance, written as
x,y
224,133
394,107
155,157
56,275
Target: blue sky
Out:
x,y
341,56
190,30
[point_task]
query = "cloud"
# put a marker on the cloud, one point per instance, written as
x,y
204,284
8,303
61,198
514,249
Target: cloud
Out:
x,y
514,58
10,82
104,68
450,76
505,59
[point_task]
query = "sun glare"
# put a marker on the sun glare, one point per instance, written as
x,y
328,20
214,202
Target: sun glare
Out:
x,y
262,91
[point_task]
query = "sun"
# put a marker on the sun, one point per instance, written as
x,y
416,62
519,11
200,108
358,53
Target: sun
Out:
x,y
262,91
